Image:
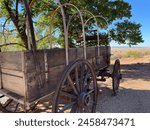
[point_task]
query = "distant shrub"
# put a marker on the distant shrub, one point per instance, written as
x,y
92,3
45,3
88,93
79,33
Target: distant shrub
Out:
x,y
133,54
147,53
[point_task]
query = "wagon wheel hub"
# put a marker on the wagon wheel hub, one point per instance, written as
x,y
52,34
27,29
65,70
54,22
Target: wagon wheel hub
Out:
x,y
84,99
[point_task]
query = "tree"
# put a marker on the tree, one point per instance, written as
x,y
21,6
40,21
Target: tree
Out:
x,y
10,10
117,13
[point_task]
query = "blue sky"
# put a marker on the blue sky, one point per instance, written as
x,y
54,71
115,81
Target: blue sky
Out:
x,y
141,14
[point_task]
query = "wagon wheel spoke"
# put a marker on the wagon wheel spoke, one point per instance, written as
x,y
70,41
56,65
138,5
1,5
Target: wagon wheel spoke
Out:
x,y
81,80
17,105
87,80
77,79
74,108
72,85
69,95
90,91
67,106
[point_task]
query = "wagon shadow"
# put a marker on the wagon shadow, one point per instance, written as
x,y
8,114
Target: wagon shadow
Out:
x,y
136,71
43,107
127,101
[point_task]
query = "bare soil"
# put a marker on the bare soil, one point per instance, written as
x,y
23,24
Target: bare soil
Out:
x,y
134,94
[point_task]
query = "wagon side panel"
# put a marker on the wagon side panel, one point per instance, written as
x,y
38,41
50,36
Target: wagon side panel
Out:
x,y
11,72
56,61
34,66
104,57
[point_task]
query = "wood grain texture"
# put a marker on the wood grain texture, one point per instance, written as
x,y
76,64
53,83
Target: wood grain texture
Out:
x,y
0,71
14,84
11,60
12,72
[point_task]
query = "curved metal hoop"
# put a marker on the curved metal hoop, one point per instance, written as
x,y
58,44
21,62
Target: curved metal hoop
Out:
x,y
108,30
93,16
65,28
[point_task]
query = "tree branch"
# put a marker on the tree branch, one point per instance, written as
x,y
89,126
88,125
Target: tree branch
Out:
x,y
45,36
10,44
31,4
11,13
17,2
20,28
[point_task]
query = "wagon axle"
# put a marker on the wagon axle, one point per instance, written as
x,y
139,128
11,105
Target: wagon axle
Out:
x,y
115,75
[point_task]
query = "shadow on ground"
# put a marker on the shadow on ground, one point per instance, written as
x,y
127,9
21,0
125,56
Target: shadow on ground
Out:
x,y
127,101
136,71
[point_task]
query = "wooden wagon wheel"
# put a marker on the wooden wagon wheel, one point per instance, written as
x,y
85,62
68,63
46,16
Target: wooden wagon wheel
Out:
x,y
116,76
8,105
77,90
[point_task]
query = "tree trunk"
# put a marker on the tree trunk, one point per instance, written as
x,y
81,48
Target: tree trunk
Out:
x,y
21,28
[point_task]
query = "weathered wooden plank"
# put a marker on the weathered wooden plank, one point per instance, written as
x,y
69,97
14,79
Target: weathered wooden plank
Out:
x,y
80,54
104,58
91,52
34,61
34,74
55,72
91,61
72,54
14,96
0,78
11,60
56,57
12,72
0,72
34,66
37,84
14,84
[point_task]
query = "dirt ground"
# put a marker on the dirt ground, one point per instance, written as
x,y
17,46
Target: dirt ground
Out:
x,y
134,94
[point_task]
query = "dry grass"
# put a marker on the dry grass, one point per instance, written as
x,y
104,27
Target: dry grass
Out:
x,y
130,53
133,54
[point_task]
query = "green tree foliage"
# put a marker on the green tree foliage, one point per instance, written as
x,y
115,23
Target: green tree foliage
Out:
x,y
116,12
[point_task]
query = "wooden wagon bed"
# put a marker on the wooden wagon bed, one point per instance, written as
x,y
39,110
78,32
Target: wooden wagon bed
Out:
x,y
25,74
